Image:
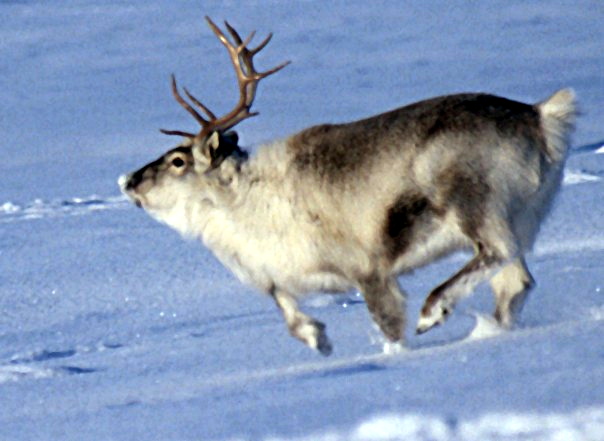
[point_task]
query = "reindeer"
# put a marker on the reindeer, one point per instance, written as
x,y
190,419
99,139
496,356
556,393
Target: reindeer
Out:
x,y
348,206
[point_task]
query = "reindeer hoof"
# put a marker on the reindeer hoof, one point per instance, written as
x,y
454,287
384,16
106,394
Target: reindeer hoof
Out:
x,y
312,333
424,325
437,316
324,345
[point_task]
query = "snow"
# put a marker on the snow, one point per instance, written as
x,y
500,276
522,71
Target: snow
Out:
x,y
582,424
576,177
114,328
485,327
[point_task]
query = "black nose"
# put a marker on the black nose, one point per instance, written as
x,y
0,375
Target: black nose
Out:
x,y
129,182
134,180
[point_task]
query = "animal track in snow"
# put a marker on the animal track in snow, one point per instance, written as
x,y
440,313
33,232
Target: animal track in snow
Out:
x,y
49,363
40,209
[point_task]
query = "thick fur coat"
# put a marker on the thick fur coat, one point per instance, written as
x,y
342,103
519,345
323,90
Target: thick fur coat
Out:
x,y
352,206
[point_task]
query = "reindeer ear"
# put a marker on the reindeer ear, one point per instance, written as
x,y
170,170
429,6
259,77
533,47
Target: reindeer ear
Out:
x,y
216,148
213,145
231,137
205,149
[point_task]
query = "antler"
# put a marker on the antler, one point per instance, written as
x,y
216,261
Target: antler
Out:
x,y
247,78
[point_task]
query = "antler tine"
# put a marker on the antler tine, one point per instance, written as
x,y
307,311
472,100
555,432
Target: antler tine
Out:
x,y
243,44
200,105
200,119
218,32
239,41
261,45
248,53
273,70
237,50
177,133
233,33
234,51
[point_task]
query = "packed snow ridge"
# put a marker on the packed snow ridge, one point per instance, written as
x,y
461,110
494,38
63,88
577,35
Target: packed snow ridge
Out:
x,y
581,425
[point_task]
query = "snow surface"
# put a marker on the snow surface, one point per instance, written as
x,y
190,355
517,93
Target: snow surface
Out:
x,y
114,328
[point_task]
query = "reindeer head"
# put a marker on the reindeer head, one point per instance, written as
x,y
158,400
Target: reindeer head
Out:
x,y
165,186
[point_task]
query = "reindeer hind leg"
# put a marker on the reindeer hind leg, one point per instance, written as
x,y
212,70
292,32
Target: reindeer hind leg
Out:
x,y
487,227
440,302
511,287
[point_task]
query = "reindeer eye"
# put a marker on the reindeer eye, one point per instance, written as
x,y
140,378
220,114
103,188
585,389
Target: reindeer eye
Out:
x,y
178,162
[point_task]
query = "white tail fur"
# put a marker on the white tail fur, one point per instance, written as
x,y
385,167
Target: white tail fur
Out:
x,y
558,114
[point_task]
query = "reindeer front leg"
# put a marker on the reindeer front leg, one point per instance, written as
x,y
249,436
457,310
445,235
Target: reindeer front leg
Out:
x,y
301,326
387,304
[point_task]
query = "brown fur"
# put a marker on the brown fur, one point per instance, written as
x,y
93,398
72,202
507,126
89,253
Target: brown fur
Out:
x,y
401,218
